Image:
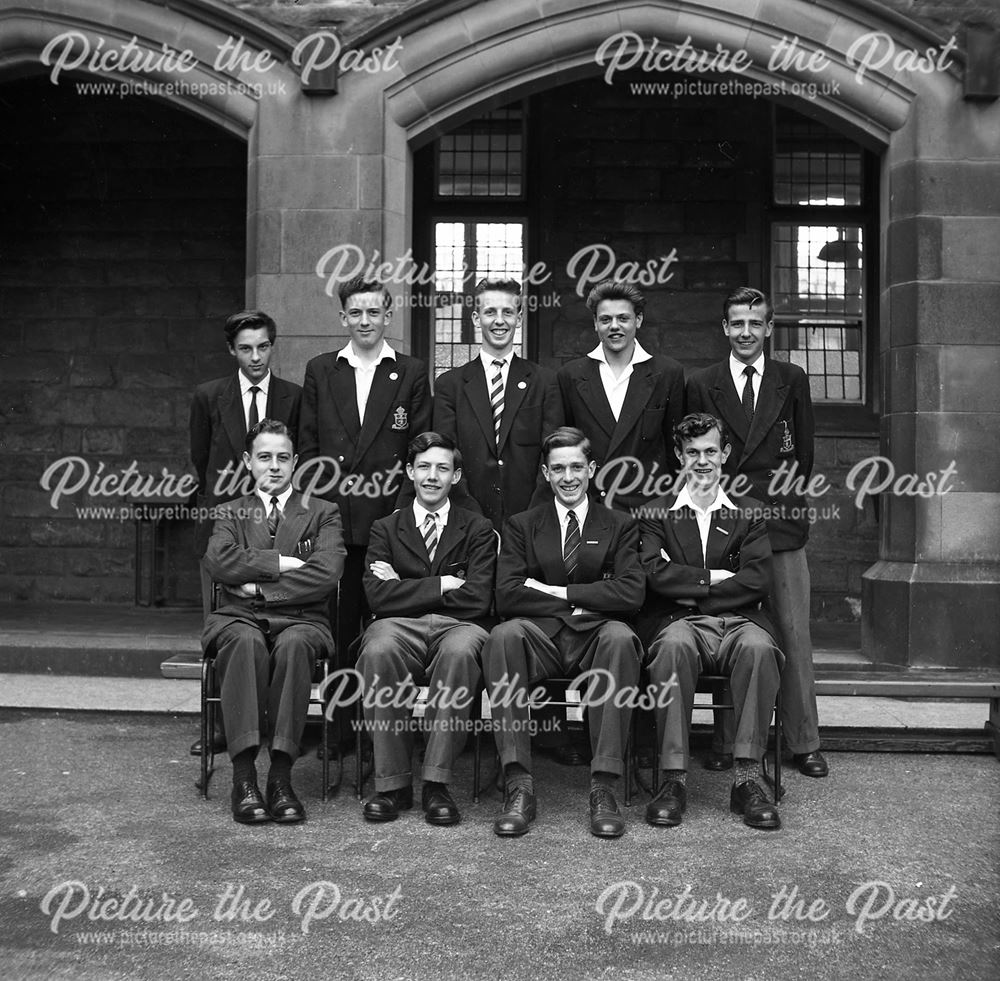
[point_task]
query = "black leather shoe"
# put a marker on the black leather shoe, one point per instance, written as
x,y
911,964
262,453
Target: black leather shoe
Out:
x,y
570,755
218,744
386,805
606,819
666,808
749,800
282,804
517,814
717,762
811,764
248,805
439,807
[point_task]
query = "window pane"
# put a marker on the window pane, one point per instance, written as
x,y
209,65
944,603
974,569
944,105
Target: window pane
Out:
x,y
466,252
484,157
813,165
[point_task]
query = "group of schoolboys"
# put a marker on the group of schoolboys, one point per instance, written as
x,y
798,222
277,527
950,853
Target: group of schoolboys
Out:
x,y
503,532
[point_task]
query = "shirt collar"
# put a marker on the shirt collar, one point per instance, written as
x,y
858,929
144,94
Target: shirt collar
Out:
x,y
639,354
736,366
488,358
722,500
283,497
580,510
347,353
420,513
246,384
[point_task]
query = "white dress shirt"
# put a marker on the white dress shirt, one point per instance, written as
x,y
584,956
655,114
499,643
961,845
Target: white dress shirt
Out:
x,y
562,512
245,386
616,388
703,516
736,368
364,374
487,362
265,497
420,515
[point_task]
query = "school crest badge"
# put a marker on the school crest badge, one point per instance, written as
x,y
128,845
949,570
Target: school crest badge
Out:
x,y
400,421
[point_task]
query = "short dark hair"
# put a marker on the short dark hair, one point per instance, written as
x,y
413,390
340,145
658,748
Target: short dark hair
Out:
x,y
249,320
616,289
696,424
498,285
358,284
747,296
270,427
429,441
566,436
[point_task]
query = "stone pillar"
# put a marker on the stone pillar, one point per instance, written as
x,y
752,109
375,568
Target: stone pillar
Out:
x,y
317,180
933,598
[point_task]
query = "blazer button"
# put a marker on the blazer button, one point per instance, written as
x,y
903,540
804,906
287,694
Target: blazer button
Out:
x,y
770,473
340,459
499,463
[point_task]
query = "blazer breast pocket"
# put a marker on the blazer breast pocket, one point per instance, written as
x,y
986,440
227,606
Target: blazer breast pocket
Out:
x,y
652,422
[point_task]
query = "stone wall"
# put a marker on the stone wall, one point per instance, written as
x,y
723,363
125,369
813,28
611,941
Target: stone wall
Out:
x,y
123,249
645,176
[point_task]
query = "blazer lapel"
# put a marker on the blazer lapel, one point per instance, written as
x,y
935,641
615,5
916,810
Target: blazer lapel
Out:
x,y
720,537
381,401
595,537
518,380
277,400
685,528
292,525
548,547
773,392
410,536
477,392
345,397
640,387
592,393
233,419
451,538
727,402
255,522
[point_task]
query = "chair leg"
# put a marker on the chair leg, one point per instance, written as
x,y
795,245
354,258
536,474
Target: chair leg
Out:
x,y
359,771
207,725
476,775
777,748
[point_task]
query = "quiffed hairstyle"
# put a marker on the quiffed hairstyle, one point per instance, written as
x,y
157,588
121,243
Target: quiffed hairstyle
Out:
x,y
697,424
747,296
615,289
566,436
249,320
429,441
511,286
271,427
350,287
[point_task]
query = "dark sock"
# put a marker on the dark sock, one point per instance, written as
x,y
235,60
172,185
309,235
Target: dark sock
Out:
x,y
281,767
244,765
606,780
679,775
431,786
515,776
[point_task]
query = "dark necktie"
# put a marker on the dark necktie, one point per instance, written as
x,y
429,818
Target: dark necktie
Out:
x,y
496,398
572,546
273,517
748,371
254,415
430,534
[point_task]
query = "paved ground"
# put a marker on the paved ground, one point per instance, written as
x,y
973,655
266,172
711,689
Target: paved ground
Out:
x,y
101,808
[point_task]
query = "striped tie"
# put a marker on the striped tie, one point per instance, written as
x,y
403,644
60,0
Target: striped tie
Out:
x,y
496,398
273,517
431,534
572,546
254,415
